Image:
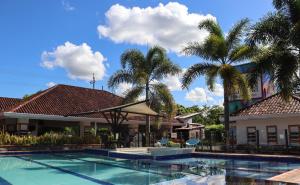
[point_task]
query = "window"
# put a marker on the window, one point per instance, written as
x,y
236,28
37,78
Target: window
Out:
x,y
294,134
251,135
272,134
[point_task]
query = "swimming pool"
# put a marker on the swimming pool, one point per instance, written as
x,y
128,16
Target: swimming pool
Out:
x,y
90,169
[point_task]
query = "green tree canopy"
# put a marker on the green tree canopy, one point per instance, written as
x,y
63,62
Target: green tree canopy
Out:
x,y
208,115
145,73
279,32
220,53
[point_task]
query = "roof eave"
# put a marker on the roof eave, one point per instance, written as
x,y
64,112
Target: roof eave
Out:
x,y
69,118
265,116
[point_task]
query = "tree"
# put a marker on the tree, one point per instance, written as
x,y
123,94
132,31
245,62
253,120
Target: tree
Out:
x,y
208,115
221,54
279,32
145,74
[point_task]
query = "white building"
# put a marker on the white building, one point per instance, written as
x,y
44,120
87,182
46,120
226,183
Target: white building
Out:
x,y
271,121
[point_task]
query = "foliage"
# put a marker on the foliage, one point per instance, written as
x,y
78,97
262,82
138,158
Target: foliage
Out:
x,y
221,52
50,139
215,132
173,144
145,72
215,127
69,131
279,31
208,115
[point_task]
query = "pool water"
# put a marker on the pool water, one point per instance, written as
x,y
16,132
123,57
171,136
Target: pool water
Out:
x,y
91,169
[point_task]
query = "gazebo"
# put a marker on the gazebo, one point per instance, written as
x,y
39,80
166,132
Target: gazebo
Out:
x,y
118,114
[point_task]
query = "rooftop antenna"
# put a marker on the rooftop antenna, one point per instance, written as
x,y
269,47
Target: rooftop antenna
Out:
x,y
93,82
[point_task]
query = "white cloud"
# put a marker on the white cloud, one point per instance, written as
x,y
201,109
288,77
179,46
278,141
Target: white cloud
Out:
x,y
218,90
124,87
203,95
170,26
79,61
67,6
174,82
50,84
198,95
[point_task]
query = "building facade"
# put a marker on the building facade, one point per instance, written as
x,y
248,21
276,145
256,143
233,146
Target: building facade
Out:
x,y
52,110
271,121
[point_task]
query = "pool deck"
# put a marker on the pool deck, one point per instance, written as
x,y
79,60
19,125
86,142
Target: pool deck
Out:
x,y
249,156
292,176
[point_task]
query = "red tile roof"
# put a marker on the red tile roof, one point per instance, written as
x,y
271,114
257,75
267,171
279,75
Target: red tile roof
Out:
x,y
65,99
272,105
7,103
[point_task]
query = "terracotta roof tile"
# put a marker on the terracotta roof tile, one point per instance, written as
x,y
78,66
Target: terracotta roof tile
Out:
x,y
272,105
65,99
7,103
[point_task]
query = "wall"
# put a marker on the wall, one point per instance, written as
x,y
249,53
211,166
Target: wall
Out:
x,y
281,123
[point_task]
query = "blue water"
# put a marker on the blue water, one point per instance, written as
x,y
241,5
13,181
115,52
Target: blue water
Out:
x,y
89,169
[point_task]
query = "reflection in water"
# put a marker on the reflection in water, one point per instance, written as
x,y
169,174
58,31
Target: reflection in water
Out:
x,y
189,171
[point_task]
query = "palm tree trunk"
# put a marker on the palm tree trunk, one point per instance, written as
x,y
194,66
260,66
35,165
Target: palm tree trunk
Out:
x,y
147,119
226,114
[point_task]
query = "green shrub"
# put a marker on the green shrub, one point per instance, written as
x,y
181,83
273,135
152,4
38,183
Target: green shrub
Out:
x,y
50,139
215,132
173,144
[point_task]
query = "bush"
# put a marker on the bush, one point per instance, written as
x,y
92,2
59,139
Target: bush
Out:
x,y
173,144
50,139
215,132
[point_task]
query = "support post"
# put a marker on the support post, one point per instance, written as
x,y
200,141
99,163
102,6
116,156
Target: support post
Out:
x,y
286,137
257,139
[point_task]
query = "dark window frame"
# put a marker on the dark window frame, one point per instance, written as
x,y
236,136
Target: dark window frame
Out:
x,y
294,138
271,139
251,136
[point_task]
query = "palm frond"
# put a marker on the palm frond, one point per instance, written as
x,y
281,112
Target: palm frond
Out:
x,y
133,58
273,28
164,69
243,86
285,73
242,53
195,48
164,94
235,34
195,71
235,81
262,64
133,94
216,46
120,76
211,76
155,55
211,26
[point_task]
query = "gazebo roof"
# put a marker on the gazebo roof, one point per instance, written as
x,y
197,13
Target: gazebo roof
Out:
x,y
120,113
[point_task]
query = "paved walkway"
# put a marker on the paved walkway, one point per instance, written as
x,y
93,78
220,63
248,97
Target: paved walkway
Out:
x,y
292,176
250,155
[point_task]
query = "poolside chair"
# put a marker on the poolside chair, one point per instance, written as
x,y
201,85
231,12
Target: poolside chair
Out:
x,y
192,142
163,141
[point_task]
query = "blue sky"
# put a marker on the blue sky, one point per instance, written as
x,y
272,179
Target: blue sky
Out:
x,y
64,41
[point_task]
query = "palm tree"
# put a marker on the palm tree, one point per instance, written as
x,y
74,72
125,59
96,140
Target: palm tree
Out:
x,y
280,33
145,74
221,54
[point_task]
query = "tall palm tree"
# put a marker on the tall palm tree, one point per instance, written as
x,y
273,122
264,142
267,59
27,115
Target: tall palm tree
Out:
x,y
145,74
221,53
279,31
